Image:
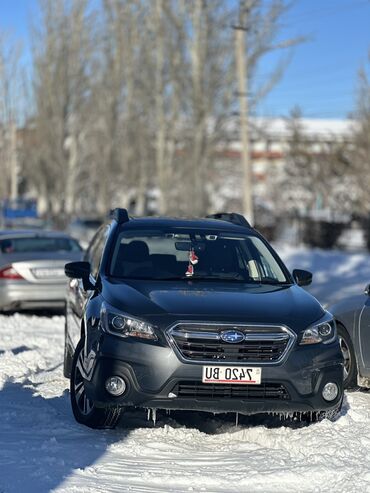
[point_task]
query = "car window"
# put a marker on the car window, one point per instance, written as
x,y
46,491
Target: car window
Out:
x,y
95,250
92,245
166,255
261,262
38,244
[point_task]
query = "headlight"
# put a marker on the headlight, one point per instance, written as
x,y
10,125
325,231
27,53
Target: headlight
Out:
x,y
124,325
324,331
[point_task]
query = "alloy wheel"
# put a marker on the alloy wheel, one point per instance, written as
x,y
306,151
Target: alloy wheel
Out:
x,y
84,404
346,356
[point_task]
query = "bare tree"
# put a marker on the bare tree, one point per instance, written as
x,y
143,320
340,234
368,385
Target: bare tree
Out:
x,y
135,95
361,149
317,175
62,54
254,37
10,114
207,96
211,88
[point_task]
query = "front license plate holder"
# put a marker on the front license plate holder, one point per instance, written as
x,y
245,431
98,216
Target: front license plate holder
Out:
x,y
232,375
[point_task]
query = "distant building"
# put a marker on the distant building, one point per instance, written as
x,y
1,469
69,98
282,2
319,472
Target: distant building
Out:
x,y
269,145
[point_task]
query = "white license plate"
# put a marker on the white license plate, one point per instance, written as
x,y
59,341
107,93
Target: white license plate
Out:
x,y
45,273
231,374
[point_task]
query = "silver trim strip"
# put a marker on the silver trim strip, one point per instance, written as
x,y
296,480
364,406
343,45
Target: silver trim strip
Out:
x,y
217,335
283,334
196,335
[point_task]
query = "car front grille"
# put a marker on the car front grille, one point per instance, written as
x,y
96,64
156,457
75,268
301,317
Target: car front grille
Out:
x,y
203,343
199,390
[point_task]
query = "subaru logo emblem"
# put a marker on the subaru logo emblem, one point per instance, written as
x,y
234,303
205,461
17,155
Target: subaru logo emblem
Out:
x,y
232,336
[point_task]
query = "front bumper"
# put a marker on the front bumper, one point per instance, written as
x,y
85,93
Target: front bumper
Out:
x,y
23,294
153,375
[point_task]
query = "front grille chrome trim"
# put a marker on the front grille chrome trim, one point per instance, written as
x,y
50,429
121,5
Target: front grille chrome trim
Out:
x,y
253,332
216,336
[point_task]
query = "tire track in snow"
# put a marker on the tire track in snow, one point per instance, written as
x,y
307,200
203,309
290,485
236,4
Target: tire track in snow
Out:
x,y
43,449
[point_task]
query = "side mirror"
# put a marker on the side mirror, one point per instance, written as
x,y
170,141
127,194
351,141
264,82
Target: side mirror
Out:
x,y
79,270
367,290
302,277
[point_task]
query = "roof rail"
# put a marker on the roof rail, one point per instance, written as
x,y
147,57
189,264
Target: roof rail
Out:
x,y
120,215
231,217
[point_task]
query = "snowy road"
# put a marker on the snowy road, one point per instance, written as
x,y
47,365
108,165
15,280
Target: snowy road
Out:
x,y
43,449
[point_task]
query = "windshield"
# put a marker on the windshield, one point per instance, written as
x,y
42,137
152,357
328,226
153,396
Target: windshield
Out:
x,y
194,255
38,244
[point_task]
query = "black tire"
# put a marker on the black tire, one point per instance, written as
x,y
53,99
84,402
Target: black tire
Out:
x,y
84,410
350,363
67,360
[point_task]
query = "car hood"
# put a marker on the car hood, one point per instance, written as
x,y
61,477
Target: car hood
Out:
x,y
214,301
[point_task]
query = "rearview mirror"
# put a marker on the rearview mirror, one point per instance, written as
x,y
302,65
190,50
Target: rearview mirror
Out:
x,y
302,277
183,246
186,246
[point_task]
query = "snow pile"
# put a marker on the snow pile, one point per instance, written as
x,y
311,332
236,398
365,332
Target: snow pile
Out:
x,y
42,448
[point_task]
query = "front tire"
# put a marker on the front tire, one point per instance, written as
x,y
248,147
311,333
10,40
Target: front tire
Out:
x,y
350,363
67,360
84,410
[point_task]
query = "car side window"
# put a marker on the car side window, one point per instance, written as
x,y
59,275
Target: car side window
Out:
x,y
92,245
95,250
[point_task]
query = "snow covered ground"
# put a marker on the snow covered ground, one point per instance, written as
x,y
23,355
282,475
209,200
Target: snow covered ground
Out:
x,y
43,449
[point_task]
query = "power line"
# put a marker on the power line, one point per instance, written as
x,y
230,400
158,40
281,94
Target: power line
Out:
x,y
320,86
309,93
307,111
315,72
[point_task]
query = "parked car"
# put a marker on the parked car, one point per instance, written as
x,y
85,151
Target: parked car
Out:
x,y
353,321
195,315
32,268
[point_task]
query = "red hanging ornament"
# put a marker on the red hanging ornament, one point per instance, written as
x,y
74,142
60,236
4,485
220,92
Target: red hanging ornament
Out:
x,y
192,257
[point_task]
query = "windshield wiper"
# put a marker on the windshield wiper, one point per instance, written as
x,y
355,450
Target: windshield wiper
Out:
x,y
214,277
223,277
273,282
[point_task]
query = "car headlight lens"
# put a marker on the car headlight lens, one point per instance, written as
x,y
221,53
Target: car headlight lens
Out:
x,y
324,331
123,325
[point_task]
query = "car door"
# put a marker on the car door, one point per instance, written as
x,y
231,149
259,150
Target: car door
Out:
x,y
364,334
77,294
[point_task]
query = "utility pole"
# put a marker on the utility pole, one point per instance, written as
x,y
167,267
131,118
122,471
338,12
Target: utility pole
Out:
x,y
242,78
70,147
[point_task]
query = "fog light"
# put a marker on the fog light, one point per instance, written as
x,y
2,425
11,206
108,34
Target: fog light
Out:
x,y
330,391
115,385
